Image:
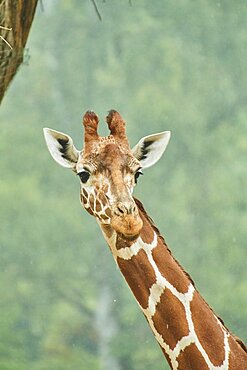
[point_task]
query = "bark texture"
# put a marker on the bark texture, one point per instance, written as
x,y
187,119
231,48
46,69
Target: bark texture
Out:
x,y
16,18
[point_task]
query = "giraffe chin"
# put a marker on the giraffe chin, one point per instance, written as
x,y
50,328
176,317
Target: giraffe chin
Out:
x,y
127,228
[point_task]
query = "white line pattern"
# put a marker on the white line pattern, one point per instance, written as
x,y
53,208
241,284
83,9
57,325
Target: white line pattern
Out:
x,y
156,290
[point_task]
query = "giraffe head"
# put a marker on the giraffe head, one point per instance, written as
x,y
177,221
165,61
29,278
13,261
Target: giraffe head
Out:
x,y
108,170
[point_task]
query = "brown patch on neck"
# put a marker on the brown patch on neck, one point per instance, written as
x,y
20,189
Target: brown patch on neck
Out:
x,y
208,330
238,355
169,268
170,319
149,224
192,359
139,275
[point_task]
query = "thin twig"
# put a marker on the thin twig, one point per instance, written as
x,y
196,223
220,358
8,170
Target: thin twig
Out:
x,y
96,9
6,42
2,38
41,6
6,28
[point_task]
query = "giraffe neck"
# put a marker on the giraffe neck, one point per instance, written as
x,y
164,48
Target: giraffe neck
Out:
x,y
188,332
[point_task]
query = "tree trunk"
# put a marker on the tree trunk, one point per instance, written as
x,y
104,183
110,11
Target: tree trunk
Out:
x,y
16,17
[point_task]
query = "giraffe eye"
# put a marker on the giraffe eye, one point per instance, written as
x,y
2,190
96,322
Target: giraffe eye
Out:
x,y
84,176
137,174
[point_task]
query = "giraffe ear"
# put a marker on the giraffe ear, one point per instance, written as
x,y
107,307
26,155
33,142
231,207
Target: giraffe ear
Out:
x,y
150,148
61,148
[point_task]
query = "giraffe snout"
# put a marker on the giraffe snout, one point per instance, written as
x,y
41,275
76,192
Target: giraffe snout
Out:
x,y
126,220
122,209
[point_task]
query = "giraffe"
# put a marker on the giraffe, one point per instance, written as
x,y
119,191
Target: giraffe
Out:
x,y
189,333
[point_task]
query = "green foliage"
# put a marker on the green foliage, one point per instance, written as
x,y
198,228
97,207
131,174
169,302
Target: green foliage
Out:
x,y
164,66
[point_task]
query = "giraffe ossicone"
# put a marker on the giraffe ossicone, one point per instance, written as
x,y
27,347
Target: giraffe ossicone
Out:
x,y
190,335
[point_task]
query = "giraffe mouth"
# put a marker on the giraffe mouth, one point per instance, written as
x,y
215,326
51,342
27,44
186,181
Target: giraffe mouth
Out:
x,y
128,227
129,238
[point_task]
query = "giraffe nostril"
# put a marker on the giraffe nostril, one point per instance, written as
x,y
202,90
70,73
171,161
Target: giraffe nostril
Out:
x,y
125,209
120,210
133,209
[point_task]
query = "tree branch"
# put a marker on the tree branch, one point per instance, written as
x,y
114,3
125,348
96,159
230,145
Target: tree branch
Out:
x,y
96,9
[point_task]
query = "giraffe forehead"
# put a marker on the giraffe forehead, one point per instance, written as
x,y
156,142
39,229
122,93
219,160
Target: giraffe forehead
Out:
x,y
108,155
113,156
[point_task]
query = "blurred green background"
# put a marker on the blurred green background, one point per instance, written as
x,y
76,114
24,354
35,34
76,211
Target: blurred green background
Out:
x,y
165,65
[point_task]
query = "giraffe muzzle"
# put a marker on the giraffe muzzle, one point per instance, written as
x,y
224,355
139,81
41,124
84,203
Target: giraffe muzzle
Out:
x,y
126,220
124,209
